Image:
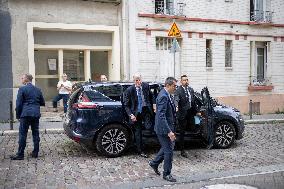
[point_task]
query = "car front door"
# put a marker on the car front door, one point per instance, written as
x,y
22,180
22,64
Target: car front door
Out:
x,y
207,116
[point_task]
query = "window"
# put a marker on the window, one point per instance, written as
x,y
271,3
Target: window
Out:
x,y
228,53
73,64
260,11
260,64
208,52
164,6
165,43
170,7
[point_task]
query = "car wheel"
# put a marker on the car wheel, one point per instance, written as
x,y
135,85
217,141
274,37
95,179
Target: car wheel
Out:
x,y
224,135
112,140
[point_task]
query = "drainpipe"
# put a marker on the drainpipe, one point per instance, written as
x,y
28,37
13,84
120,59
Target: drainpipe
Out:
x,y
124,41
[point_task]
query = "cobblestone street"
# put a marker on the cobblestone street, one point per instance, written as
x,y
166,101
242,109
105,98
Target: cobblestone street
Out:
x,y
65,164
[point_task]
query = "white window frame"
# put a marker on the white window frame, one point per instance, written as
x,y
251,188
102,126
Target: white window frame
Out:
x,y
264,46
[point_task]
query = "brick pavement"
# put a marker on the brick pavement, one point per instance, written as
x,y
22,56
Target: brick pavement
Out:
x,y
66,164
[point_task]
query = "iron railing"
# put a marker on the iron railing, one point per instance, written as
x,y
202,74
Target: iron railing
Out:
x,y
169,8
260,81
261,16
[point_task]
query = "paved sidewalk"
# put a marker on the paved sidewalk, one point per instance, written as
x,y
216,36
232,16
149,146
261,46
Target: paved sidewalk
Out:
x,y
62,163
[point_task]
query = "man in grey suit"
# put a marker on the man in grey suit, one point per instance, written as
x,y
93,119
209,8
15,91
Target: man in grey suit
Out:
x,y
165,121
186,109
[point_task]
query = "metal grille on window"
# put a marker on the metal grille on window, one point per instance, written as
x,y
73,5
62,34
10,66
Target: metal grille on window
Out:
x,y
260,11
159,7
228,53
208,53
165,43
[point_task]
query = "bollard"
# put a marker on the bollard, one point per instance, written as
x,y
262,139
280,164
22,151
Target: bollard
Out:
x,y
11,115
250,109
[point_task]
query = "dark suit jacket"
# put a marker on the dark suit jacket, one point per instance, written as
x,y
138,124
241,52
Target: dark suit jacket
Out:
x,y
165,119
183,105
28,102
131,99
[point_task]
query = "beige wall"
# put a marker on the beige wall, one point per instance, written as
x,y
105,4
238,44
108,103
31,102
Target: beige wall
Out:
x,y
67,11
268,103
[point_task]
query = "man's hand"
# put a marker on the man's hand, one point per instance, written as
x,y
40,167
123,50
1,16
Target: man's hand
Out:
x,y
172,136
198,114
176,108
133,118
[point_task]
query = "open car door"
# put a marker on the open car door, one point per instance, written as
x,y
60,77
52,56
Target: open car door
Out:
x,y
207,117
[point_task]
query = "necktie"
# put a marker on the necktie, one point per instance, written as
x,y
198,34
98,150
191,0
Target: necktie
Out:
x,y
188,96
139,95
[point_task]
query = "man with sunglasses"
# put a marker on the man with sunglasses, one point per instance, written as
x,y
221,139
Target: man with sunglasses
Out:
x,y
139,106
186,109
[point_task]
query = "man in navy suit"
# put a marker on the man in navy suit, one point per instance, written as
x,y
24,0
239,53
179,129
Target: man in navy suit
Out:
x,y
139,106
28,104
165,122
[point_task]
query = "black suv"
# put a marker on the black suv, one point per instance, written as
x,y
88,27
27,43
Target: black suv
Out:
x,y
96,117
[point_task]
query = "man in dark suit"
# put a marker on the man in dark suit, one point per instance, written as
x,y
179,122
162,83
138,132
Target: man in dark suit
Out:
x,y
186,109
165,121
28,104
138,101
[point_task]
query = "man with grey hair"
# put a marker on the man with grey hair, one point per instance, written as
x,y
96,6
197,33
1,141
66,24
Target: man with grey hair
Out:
x,y
138,101
29,100
165,123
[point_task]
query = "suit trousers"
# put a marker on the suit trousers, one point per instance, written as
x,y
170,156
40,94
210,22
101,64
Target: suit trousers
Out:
x,y
182,127
165,154
138,132
23,130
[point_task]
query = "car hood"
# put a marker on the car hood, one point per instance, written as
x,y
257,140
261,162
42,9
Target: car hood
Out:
x,y
225,109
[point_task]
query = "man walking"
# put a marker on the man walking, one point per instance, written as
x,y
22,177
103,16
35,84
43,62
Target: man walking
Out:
x,y
186,109
165,129
138,101
28,104
64,87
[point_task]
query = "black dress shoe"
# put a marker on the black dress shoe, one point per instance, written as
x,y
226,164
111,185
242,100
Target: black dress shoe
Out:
x,y
169,178
209,146
16,157
34,155
142,154
154,168
184,154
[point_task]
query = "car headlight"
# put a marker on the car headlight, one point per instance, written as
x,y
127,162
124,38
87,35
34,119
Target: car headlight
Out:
x,y
240,117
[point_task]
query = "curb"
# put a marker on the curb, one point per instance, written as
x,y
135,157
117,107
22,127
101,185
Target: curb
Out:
x,y
41,131
262,121
155,182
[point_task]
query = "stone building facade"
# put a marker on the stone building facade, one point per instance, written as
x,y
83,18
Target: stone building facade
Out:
x,y
236,48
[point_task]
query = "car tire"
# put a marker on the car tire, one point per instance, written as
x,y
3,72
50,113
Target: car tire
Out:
x,y
112,140
225,135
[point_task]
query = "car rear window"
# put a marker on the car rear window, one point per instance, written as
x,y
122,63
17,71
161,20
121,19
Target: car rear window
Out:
x,y
96,96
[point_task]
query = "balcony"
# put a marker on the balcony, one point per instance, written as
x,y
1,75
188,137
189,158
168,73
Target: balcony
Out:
x,y
261,16
169,8
260,84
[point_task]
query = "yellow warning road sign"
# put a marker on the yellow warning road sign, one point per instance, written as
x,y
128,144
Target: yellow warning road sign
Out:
x,y
174,31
